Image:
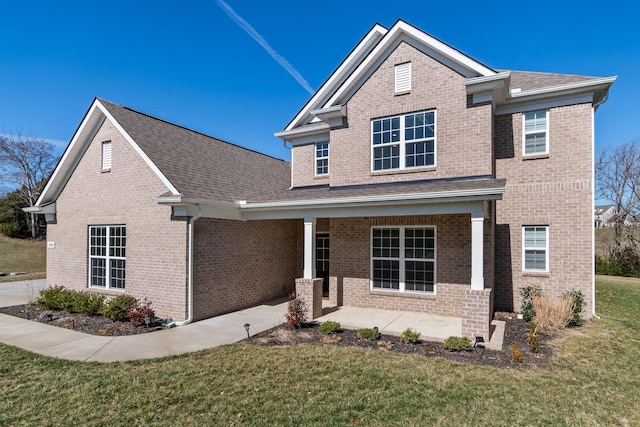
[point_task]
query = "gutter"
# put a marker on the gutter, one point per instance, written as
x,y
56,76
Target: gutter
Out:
x,y
193,219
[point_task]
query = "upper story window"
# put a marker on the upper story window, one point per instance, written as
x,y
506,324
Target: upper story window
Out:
x,y
322,158
535,132
106,155
405,141
535,248
402,77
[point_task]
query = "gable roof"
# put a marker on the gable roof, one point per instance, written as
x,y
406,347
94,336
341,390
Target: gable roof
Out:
x,y
372,50
191,164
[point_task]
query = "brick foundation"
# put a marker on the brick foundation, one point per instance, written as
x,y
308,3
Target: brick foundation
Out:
x,y
310,291
476,313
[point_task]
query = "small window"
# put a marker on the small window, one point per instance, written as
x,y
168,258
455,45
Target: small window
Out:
x,y
403,77
322,158
106,155
536,133
107,256
535,248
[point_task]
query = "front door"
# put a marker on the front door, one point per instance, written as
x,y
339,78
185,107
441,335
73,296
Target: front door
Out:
x,y
322,261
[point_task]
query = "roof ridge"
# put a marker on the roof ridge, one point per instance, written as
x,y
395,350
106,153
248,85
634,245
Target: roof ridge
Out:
x,y
102,100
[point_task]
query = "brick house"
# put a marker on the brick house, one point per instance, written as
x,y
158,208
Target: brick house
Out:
x,y
420,180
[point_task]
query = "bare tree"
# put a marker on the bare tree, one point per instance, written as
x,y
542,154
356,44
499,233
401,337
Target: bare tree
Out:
x,y
618,181
26,162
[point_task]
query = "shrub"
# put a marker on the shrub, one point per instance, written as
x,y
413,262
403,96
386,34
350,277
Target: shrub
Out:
x,y
532,337
577,304
117,308
552,316
457,344
86,303
628,261
516,354
140,312
330,327
296,311
369,334
55,298
409,336
527,294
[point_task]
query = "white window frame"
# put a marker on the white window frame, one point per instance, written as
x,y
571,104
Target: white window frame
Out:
x,y
402,78
536,131
402,260
323,158
402,142
107,155
112,261
526,248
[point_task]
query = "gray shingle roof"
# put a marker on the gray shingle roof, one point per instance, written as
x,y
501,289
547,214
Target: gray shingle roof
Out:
x,y
414,187
527,80
200,166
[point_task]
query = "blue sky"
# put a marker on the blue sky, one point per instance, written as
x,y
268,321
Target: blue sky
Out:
x,y
192,64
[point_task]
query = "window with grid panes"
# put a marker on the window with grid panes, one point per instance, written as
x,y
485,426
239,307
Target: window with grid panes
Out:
x,y
107,256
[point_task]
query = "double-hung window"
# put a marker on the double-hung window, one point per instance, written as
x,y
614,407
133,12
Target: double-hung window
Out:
x,y
403,259
404,142
107,256
322,158
536,133
535,248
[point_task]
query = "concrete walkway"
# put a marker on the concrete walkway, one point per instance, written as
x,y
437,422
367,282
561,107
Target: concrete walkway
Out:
x,y
226,329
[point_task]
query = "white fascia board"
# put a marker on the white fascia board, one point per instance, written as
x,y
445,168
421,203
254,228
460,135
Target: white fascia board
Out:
x,y
139,150
72,154
308,134
210,209
538,103
333,116
346,211
593,84
398,30
486,83
485,194
372,37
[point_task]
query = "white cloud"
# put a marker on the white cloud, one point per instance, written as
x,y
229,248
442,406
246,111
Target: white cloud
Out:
x,y
262,42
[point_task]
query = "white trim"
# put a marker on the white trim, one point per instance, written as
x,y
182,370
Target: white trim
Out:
x,y
344,69
563,88
593,202
546,248
401,259
477,250
541,104
107,155
139,150
107,257
525,133
402,77
309,271
316,158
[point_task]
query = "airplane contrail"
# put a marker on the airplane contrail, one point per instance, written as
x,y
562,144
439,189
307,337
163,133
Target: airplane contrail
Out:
x,y
262,42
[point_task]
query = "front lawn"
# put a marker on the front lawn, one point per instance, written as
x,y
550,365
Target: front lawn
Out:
x,y
17,255
593,381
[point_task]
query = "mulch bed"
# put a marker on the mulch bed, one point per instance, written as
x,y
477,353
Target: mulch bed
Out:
x,y
94,325
515,332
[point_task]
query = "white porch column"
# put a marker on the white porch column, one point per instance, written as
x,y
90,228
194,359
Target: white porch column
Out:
x,y
309,248
477,250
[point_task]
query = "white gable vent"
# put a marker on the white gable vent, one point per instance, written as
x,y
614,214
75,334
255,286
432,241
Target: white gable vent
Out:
x,y
403,77
106,155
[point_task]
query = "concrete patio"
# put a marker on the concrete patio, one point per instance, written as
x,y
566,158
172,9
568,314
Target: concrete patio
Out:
x,y
225,329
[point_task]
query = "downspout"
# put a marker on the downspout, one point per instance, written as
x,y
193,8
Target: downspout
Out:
x,y
193,219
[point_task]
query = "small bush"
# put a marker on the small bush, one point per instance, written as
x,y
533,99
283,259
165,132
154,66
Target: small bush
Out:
x,y
117,308
457,344
532,338
577,304
330,327
552,316
516,354
55,298
296,311
138,314
527,294
368,334
86,303
409,336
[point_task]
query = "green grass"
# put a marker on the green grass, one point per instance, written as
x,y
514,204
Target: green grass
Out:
x,y
593,381
22,256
